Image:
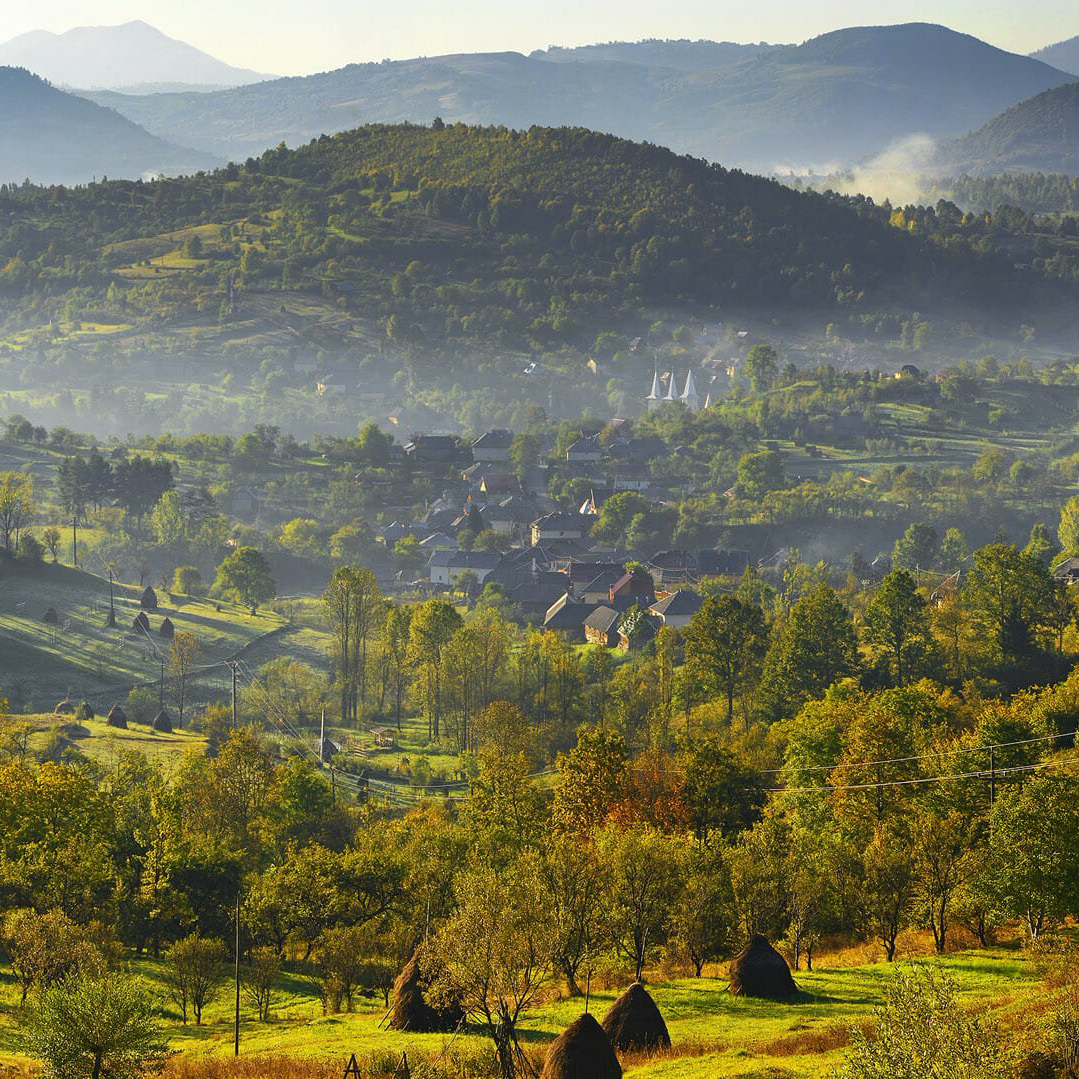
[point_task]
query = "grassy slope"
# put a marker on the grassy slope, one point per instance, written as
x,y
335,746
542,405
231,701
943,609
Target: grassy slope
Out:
x,y
81,657
713,1034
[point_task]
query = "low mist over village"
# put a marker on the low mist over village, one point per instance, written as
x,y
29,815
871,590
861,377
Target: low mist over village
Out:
x,y
538,560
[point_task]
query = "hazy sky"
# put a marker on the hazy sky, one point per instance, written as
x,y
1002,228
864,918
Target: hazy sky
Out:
x,y
317,35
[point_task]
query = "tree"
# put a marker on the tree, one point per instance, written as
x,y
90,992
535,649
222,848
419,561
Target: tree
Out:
x,y
592,780
759,473
1034,856
187,581
169,519
814,648
184,654
45,948
393,643
353,608
1009,593
954,551
897,623
721,794
341,954
917,548
888,886
432,627
495,952
374,444
195,973
942,843
17,506
762,366
260,978
51,538
574,879
96,1027
703,926
725,643
245,577
923,1031
523,456
139,482
643,869
1068,529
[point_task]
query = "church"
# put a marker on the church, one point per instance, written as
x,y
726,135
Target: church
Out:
x,y
689,396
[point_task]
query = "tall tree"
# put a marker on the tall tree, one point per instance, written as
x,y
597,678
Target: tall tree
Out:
x,y
353,607
897,623
725,643
433,625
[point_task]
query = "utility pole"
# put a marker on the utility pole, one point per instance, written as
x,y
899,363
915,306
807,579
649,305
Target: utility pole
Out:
x,y
161,690
75,540
236,1022
992,775
232,666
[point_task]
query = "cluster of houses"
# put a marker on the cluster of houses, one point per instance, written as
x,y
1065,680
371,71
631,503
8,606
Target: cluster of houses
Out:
x,y
552,573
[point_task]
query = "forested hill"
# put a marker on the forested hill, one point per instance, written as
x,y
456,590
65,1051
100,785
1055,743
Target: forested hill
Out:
x,y
1038,135
56,137
500,238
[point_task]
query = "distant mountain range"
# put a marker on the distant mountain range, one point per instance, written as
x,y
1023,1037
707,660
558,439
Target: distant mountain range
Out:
x,y
1038,135
54,137
132,57
837,98
1064,55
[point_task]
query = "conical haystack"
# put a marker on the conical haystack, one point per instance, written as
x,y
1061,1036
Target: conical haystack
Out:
x,y
162,724
581,1051
410,1008
148,599
117,717
167,629
760,971
140,623
50,617
634,1021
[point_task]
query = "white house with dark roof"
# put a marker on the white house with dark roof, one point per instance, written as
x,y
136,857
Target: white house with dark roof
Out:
x,y
678,608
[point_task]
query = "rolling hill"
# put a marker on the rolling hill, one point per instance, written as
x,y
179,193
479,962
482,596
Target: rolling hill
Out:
x,y
133,56
1064,55
1038,135
839,97
54,137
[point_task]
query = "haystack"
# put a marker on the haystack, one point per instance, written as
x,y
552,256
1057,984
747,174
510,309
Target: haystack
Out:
x,y
634,1021
148,599
411,1011
65,708
167,629
140,623
50,617
760,971
116,717
162,724
581,1051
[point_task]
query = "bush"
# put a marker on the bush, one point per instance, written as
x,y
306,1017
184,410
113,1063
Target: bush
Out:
x,y
141,705
30,549
922,1031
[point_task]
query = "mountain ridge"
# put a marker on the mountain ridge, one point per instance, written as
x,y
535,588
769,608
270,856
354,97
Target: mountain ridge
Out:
x,y
54,137
132,54
838,97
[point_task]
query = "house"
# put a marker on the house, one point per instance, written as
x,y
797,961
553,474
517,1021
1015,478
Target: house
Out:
x,y
585,450
535,595
510,515
493,485
676,610
558,526
493,447
631,477
598,590
601,627
583,571
566,616
1067,571
444,567
432,449
246,503
722,563
673,567
438,541
635,586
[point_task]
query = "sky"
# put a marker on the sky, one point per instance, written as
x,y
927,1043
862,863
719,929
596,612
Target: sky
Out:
x,y
319,35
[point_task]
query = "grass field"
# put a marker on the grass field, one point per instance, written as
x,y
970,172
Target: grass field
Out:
x,y
713,1034
81,657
